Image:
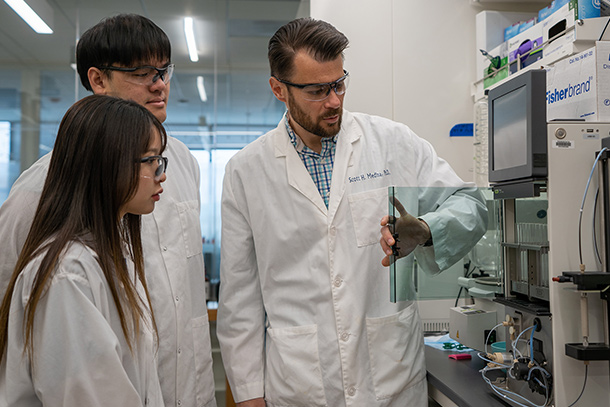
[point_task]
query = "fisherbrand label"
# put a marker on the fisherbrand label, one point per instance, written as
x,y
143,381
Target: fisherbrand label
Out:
x,y
570,91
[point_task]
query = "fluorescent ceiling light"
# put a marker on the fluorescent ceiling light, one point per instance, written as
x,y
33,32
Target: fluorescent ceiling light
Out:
x,y
201,89
29,16
190,39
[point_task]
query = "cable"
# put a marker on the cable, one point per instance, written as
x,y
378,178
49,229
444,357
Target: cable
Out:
x,y
458,297
595,246
499,390
532,344
545,386
481,356
489,334
514,344
543,370
585,383
583,200
510,395
604,30
467,274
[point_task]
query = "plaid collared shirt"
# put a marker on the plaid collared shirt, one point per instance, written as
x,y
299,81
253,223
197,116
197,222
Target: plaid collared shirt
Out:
x,y
320,166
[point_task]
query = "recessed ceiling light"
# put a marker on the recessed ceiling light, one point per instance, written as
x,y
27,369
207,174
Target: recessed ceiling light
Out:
x,y
29,16
189,33
201,88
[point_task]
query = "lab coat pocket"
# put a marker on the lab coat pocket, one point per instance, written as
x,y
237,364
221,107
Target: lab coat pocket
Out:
x,y
203,360
396,352
188,212
293,375
367,209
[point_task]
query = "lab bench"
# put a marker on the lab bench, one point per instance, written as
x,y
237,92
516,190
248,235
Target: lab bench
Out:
x,y
458,382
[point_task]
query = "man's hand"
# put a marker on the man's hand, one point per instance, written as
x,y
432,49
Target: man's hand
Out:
x,y
411,233
260,402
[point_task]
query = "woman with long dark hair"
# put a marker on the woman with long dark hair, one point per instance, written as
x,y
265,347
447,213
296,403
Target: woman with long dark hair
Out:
x,y
76,326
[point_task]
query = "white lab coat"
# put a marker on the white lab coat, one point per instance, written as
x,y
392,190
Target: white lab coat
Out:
x,y
81,356
304,316
171,239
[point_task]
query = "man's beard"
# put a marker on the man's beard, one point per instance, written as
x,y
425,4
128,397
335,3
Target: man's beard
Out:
x,y
320,130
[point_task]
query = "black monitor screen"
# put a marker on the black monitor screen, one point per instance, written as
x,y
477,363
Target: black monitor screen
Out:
x,y
510,130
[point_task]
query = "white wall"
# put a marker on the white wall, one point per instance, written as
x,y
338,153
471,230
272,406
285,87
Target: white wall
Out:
x,y
412,61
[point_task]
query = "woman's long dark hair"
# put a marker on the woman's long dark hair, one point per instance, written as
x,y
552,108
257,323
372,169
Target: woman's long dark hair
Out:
x,y
94,171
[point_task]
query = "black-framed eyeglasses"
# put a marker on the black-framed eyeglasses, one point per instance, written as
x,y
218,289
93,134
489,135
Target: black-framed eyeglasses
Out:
x,y
144,75
316,92
161,163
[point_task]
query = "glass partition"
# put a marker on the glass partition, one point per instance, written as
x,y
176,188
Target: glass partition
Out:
x,y
38,83
527,248
478,270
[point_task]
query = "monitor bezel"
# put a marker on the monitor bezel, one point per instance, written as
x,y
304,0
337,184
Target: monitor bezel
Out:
x,y
535,167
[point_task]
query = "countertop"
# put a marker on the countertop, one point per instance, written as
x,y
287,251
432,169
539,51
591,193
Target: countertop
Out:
x,y
460,380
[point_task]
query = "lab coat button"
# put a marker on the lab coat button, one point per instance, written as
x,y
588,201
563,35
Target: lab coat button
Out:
x,y
179,402
338,282
164,249
351,391
344,336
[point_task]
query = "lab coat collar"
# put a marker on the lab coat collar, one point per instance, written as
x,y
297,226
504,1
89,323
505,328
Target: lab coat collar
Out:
x,y
346,155
298,176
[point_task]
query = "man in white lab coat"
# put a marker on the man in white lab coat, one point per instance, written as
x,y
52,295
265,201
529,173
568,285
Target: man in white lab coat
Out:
x,y
128,56
304,316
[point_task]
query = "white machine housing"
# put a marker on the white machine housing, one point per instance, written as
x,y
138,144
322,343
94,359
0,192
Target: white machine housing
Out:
x,y
468,325
572,148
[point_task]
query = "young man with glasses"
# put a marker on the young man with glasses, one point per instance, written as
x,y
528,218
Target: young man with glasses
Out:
x,y
129,57
304,317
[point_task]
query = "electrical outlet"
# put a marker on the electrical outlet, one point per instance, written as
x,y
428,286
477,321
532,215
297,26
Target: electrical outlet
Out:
x,y
491,336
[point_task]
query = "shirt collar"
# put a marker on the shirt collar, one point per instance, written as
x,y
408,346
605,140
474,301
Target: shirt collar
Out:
x,y
300,146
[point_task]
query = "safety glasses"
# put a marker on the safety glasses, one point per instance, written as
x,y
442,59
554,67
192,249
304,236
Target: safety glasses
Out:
x,y
144,75
316,92
158,163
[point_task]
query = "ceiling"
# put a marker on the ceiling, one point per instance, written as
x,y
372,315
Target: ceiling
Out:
x,y
231,36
